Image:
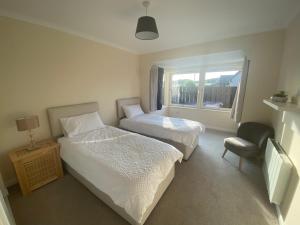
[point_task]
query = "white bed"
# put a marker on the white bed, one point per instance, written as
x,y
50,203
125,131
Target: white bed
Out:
x,y
129,172
183,134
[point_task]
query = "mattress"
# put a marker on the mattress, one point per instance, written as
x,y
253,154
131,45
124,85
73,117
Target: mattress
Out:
x,y
179,130
127,167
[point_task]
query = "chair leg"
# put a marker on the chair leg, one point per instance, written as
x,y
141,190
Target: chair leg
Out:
x,y
240,164
224,152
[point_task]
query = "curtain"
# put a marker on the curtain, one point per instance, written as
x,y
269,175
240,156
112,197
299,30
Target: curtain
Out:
x,y
160,88
156,86
153,87
238,102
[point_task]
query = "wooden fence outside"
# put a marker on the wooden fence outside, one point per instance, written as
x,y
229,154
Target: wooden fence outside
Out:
x,y
213,95
184,95
223,94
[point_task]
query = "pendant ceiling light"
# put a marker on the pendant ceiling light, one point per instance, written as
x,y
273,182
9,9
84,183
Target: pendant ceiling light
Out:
x,y
146,28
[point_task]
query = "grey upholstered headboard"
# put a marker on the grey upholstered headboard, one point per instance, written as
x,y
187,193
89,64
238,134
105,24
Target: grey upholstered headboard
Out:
x,y
55,113
126,101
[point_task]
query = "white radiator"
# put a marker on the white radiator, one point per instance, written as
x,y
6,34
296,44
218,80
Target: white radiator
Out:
x,y
277,168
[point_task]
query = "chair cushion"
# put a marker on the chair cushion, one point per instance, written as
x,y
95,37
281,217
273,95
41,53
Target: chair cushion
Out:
x,y
240,146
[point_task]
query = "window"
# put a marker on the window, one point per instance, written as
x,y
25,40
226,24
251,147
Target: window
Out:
x,y
220,89
209,88
184,89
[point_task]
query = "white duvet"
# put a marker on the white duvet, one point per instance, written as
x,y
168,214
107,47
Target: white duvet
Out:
x,y
176,129
126,166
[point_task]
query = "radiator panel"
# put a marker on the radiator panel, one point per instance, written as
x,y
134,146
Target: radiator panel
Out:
x,y
277,168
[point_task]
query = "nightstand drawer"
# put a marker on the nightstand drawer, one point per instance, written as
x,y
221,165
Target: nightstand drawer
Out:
x,y
38,167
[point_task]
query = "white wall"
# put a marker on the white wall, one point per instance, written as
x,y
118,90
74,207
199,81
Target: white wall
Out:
x,y
214,119
265,52
289,133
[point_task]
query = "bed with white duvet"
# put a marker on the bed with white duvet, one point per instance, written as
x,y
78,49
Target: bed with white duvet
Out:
x,y
127,167
182,133
176,129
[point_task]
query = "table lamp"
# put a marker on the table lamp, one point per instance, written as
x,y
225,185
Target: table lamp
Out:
x,y
28,123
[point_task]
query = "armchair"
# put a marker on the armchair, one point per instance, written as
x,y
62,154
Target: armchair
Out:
x,y
251,140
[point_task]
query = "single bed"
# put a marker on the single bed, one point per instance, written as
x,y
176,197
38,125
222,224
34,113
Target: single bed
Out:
x,y
181,133
127,171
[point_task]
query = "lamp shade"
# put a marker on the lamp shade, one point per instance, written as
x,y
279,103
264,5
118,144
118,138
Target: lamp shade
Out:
x,y
146,28
27,123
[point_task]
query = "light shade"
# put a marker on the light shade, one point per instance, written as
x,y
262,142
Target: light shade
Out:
x,y
146,28
27,123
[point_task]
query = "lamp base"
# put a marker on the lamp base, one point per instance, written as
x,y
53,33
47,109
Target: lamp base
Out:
x,y
33,147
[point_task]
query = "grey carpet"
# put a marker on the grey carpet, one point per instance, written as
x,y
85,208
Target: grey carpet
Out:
x,y
206,190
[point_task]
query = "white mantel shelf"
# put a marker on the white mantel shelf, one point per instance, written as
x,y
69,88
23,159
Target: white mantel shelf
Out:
x,y
287,107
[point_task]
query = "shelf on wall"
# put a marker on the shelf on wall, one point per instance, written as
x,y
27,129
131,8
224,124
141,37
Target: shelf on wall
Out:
x,y
288,107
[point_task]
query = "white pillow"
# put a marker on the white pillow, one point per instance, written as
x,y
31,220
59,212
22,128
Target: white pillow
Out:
x,y
75,125
132,110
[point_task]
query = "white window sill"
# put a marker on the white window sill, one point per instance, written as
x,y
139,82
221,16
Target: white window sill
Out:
x,y
182,106
216,110
199,108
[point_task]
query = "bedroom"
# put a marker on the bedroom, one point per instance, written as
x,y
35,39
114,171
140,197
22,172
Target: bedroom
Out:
x,y
51,56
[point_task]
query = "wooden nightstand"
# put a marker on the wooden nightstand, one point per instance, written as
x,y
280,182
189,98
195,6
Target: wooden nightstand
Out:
x,y
37,167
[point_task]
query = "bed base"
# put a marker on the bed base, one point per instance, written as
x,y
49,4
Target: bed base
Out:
x,y
186,151
108,201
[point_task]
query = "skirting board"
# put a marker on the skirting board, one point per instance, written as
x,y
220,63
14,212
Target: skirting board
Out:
x,y
221,129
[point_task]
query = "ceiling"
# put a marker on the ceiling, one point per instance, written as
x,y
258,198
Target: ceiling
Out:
x,y
180,22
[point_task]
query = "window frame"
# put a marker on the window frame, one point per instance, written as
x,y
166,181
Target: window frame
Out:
x,y
185,71
201,85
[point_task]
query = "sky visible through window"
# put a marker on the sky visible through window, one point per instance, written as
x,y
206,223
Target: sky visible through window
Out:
x,y
186,76
211,75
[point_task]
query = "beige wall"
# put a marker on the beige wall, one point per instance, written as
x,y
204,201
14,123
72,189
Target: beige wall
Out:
x,y
42,67
289,133
264,50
